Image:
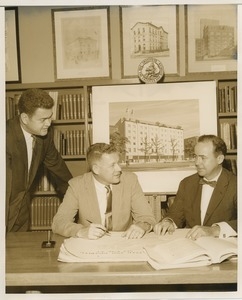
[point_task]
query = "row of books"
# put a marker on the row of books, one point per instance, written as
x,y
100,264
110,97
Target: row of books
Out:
x,y
70,142
231,165
228,132
43,210
68,106
155,202
227,96
12,106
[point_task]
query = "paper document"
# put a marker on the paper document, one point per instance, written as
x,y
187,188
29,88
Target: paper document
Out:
x,y
113,248
161,252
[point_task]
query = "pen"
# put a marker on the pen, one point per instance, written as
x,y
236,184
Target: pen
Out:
x,y
106,231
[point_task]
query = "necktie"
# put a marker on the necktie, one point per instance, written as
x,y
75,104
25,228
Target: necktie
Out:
x,y
108,213
33,140
211,183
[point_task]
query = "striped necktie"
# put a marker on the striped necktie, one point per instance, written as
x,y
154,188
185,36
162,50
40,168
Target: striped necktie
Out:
x,y
108,213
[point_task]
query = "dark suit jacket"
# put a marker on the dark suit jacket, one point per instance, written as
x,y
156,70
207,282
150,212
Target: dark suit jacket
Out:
x,y
19,183
185,211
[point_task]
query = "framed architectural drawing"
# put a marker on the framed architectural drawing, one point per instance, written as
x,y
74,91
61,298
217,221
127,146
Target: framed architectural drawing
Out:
x,y
211,38
81,39
148,31
12,52
155,127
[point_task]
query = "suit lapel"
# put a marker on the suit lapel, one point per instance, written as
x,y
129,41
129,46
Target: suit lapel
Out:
x,y
92,198
217,196
21,147
117,201
197,204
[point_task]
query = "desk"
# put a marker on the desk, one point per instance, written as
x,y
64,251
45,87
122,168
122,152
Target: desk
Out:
x,y
28,266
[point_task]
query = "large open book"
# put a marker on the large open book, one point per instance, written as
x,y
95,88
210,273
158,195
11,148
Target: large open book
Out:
x,y
161,252
183,252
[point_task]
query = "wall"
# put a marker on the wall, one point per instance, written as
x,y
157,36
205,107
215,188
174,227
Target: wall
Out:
x,y
37,44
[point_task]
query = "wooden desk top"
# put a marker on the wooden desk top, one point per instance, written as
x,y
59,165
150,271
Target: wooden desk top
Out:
x,y
27,264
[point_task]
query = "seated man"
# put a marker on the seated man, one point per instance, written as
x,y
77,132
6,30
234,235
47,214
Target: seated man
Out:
x,y
86,199
208,208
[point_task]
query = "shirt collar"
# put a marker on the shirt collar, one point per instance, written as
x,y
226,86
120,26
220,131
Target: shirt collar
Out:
x,y
100,186
27,135
214,178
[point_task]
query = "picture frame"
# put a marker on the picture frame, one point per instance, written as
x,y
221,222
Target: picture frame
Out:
x,y
157,105
204,23
163,20
81,43
12,49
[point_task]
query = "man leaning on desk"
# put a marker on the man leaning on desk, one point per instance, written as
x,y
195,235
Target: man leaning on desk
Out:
x,y
103,199
29,143
206,201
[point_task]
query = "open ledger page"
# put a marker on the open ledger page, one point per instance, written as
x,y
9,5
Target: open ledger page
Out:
x,y
183,252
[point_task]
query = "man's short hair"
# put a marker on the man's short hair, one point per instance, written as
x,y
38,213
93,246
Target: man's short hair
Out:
x,y
219,145
32,99
95,152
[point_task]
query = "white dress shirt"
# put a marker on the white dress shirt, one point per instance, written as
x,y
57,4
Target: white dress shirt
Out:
x,y
29,143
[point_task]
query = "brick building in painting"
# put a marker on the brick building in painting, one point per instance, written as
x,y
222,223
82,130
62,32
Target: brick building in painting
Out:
x,y
215,41
150,141
148,38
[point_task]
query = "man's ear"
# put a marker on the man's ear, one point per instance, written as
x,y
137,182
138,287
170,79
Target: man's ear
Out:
x,y
24,118
220,159
95,169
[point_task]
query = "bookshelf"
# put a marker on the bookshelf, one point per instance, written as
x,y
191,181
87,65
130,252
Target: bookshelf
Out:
x,y
227,120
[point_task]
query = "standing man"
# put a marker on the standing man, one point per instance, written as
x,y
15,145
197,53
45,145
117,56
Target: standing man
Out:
x,y
29,143
206,201
88,196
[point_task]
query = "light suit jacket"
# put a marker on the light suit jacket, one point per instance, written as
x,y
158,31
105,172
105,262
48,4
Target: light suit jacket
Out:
x,y
20,182
129,205
185,211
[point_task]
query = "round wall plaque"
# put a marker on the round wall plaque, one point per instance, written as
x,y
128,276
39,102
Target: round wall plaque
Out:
x,y
150,70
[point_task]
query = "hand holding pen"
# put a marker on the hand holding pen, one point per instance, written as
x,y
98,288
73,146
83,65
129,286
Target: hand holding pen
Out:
x,y
92,232
99,227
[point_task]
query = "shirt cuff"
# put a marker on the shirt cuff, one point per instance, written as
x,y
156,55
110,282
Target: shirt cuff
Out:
x,y
225,230
145,226
170,220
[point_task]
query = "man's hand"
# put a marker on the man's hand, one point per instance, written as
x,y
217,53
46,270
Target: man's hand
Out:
x,y
92,232
199,231
166,225
134,232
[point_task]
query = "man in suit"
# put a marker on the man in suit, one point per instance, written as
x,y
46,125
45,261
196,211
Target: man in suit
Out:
x,y
86,200
29,143
206,201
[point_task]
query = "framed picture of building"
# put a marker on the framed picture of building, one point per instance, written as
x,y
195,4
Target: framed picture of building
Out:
x,y
148,31
211,38
155,127
12,51
81,42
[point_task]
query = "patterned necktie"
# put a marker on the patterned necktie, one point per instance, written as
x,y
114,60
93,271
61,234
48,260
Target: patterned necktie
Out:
x,y
108,213
211,183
